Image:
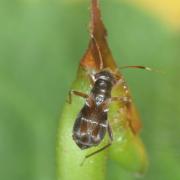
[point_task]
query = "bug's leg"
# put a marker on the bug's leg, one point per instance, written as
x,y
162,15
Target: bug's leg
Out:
x,y
104,147
120,81
123,99
76,93
99,150
109,130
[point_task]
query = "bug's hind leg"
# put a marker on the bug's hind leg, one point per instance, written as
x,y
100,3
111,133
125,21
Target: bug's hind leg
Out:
x,y
76,93
104,147
93,153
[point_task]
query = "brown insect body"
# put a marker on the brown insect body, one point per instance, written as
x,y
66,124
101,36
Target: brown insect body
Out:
x,y
91,123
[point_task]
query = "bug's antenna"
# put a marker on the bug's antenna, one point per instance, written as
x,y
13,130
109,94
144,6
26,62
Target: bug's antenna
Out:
x,y
141,67
99,52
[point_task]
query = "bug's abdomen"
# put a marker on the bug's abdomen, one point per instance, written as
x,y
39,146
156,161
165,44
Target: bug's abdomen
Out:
x,y
89,128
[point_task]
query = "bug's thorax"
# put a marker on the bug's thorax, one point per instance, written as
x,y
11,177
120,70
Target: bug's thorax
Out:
x,y
101,90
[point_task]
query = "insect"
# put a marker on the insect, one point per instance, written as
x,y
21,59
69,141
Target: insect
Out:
x,y
92,123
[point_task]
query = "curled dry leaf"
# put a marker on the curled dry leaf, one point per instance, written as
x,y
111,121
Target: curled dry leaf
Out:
x,y
98,57
127,149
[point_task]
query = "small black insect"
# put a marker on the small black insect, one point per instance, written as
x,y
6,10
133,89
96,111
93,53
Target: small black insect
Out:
x,y
92,123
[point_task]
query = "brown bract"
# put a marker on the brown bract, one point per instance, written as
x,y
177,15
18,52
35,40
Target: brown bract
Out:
x,y
98,33
98,56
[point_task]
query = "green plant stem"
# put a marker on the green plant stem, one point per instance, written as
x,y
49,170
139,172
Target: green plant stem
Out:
x,y
69,156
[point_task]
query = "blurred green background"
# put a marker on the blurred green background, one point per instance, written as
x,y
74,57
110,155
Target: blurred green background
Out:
x,y
41,44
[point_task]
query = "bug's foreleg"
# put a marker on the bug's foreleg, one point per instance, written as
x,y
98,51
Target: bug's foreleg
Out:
x,y
76,93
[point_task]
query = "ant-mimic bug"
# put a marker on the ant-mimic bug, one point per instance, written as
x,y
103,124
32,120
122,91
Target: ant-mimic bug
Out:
x,y
92,122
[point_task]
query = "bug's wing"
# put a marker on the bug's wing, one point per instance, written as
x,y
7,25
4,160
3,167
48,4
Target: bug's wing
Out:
x,y
90,127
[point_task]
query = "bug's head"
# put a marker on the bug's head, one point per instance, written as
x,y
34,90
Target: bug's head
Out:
x,y
106,76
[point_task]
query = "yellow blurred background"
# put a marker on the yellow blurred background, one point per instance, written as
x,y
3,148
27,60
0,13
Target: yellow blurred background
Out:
x,y
166,10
